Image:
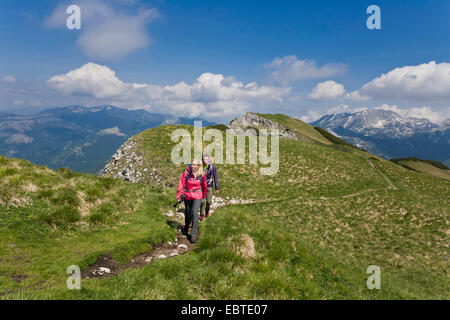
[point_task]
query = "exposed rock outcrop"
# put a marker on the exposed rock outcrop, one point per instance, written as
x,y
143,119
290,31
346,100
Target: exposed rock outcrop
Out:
x,y
129,164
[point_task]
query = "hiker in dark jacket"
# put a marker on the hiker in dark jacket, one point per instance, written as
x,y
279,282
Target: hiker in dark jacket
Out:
x,y
211,177
192,188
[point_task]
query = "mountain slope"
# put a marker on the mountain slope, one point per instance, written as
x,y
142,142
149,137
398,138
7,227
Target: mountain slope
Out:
x,y
389,135
76,137
341,212
292,127
50,220
436,170
311,232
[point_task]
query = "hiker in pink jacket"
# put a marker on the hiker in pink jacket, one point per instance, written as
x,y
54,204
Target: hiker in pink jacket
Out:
x,y
192,188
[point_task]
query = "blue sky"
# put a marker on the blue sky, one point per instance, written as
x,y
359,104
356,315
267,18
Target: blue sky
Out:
x,y
303,58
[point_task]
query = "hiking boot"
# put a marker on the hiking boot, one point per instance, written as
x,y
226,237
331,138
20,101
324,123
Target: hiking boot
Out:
x,y
201,218
193,239
184,231
207,214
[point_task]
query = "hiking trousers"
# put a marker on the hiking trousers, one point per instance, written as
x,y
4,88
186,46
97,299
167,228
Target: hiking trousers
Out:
x,y
191,216
206,203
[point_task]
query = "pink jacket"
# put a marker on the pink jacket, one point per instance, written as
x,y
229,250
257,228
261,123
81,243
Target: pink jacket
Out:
x,y
194,189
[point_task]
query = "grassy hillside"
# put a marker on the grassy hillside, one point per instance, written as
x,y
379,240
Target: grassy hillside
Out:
x,y
50,220
332,138
314,229
428,167
296,125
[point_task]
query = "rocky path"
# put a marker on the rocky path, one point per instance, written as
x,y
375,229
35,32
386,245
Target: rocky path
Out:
x,y
106,266
178,215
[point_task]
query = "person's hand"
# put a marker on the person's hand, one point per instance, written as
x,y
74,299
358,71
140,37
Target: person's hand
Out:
x,y
217,191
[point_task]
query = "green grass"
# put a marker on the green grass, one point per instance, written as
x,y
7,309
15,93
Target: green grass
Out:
x,y
427,167
42,230
305,168
298,126
436,164
332,138
293,260
318,224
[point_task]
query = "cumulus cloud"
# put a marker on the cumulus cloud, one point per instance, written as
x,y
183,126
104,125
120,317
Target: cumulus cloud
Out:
x,y
107,30
290,69
91,79
425,82
327,90
9,79
311,116
215,94
356,96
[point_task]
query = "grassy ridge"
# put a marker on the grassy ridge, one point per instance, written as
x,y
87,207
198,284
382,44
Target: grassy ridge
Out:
x,y
428,167
319,223
304,249
297,125
333,138
436,164
304,168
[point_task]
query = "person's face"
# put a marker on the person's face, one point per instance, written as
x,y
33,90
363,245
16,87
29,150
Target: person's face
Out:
x,y
195,166
205,161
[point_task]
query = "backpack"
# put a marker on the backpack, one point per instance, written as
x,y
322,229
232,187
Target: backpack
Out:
x,y
209,166
187,178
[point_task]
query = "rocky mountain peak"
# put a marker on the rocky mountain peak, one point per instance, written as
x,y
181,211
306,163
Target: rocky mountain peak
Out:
x,y
390,135
376,121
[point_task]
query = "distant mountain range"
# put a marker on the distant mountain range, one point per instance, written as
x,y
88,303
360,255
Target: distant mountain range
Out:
x,y
390,135
77,137
84,138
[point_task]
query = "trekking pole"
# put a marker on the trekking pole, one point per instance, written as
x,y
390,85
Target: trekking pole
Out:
x,y
179,201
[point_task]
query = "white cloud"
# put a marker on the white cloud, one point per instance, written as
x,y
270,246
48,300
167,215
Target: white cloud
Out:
x,y
327,90
215,94
91,79
107,31
356,96
422,112
311,116
9,78
425,82
290,69
339,109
